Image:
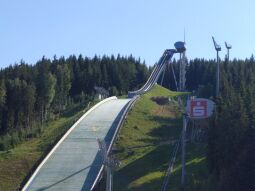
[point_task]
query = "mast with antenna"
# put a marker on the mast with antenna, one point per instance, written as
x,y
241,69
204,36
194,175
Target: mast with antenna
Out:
x,y
218,49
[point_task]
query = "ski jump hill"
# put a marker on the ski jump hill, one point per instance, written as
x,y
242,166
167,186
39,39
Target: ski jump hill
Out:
x,y
75,163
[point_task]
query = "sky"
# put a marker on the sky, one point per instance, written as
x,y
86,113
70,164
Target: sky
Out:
x,y
30,29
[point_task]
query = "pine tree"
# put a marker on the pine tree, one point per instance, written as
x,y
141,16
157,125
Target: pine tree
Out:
x,y
63,86
45,88
2,102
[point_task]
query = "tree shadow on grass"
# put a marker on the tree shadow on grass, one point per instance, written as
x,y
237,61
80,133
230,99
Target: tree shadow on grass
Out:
x,y
154,161
170,129
137,176
166,120
157,160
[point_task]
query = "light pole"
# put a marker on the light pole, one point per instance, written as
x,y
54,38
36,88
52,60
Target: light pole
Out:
x,y
217,48
184,129
109,163
228,47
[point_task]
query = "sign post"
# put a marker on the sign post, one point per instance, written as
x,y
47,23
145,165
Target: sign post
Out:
x,y
198,108
183,149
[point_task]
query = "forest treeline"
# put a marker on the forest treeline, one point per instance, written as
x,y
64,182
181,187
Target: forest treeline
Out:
x,y
231,137
33,94
231,152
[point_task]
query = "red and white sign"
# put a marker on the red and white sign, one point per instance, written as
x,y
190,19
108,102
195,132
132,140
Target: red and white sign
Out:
x,y
200,108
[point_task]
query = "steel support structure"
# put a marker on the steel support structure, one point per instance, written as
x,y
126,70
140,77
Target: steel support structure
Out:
x,y
184,129
182,72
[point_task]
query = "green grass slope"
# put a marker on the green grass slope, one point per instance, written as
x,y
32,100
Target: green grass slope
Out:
x,y
146,142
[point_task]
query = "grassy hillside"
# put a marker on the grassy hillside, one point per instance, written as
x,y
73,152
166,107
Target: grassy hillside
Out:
x,y
146,143
15,164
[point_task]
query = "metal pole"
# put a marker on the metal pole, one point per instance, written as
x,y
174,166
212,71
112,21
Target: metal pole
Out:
x,y
109,179
183,178
107,161
217,76
163,76
228,54
180,73
180,65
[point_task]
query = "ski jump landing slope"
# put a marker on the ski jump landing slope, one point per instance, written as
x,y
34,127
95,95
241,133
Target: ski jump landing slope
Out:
x,y
74,163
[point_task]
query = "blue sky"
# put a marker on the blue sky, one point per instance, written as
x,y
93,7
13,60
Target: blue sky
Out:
x,y
30,29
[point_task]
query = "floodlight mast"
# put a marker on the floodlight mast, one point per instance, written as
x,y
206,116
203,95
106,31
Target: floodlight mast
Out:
x,y
217,48
228,47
